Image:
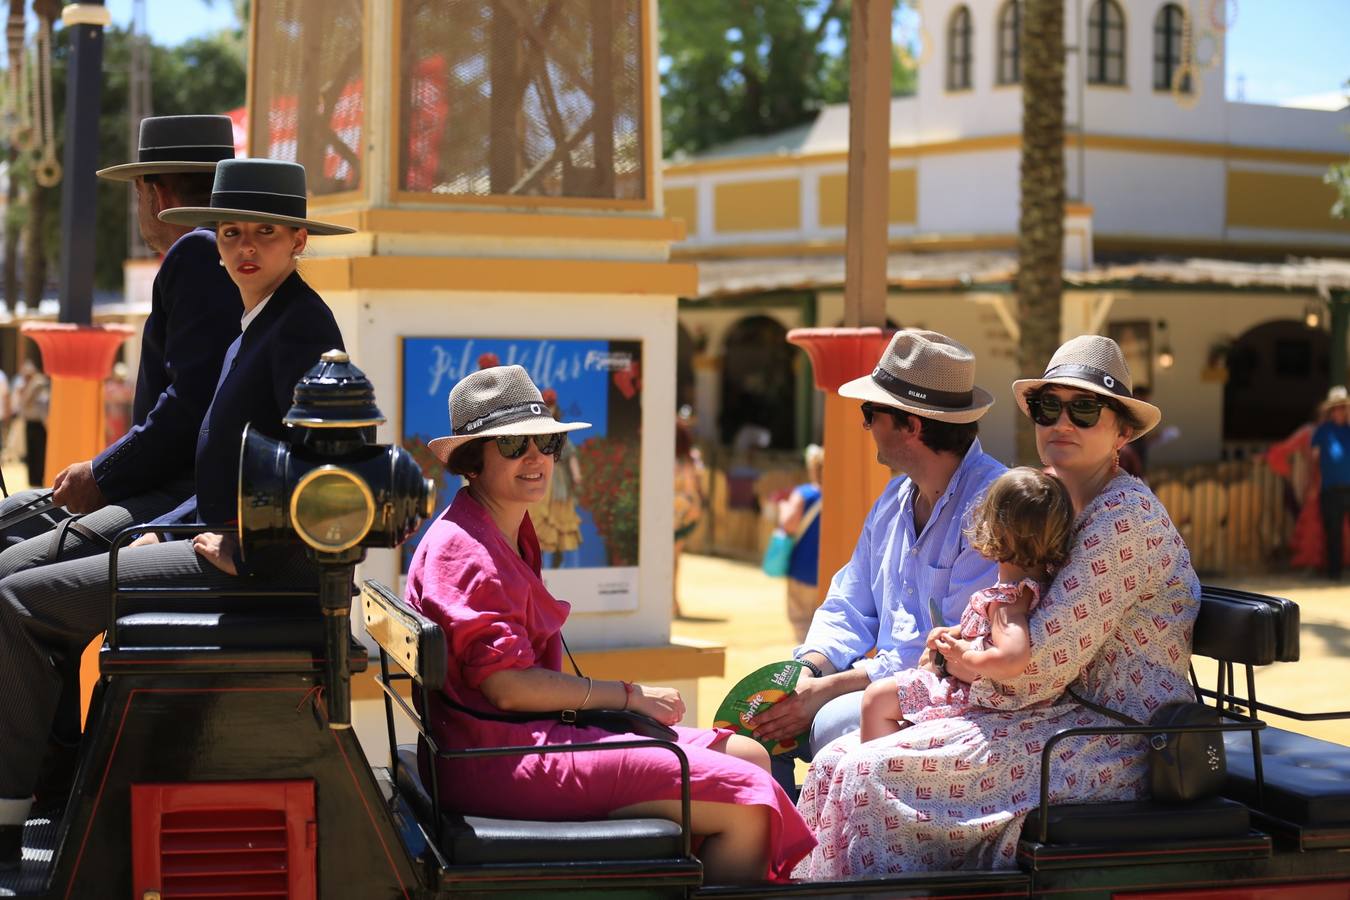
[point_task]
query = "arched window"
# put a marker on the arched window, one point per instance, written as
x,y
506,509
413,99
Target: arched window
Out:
x,y
1106,43
1010,42
1168,29
958,50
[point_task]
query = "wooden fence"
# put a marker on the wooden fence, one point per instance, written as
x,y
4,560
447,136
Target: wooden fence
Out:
x,y
1232,515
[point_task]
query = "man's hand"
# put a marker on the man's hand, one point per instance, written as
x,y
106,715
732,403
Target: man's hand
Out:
x,y
793,714
76,489
217,549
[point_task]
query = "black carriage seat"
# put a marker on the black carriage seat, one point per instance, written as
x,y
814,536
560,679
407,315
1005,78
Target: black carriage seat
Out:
x,y
246,618
1236,629
1302,790
614,848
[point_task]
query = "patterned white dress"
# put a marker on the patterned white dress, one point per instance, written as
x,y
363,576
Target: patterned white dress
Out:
x,y
952,793
924,695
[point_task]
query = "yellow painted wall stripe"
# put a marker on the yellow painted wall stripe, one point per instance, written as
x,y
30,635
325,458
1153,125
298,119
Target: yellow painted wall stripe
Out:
x,y
546,276
773,205
682,205
1121,143
902,208
1278,200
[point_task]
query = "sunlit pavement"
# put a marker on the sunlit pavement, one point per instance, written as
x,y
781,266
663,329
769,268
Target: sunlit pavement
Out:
x,y
735,604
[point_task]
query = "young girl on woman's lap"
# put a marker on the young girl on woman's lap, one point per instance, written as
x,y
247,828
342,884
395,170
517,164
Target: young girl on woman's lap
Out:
x,y
1024,522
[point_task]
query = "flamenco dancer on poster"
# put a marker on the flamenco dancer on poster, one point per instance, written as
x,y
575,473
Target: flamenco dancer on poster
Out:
x,y
555,518
476,573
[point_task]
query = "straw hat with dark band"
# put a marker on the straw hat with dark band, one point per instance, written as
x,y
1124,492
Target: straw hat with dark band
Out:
x,y
255,190
927,374
1091,362
174,144
496,402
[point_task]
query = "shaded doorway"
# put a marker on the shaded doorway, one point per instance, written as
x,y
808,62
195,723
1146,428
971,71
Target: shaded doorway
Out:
x,y
759,382
1278,373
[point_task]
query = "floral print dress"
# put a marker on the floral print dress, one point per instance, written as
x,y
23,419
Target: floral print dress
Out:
x,y
952,793
925,695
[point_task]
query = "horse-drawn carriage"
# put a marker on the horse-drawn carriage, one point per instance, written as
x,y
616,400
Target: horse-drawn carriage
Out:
x,y
218,758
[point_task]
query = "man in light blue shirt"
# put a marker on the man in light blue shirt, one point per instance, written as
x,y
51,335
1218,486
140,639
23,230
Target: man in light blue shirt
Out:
x,y
922,408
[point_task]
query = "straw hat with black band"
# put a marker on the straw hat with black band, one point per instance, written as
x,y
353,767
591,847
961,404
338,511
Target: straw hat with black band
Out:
x,y
256,190
172,145
927,374
496,402
1091,362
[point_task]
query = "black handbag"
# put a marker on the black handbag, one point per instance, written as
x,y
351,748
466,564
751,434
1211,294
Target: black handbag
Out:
x,y
1181,766
616,721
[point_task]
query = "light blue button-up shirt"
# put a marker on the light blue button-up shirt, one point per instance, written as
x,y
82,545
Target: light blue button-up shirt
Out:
x,y
881,597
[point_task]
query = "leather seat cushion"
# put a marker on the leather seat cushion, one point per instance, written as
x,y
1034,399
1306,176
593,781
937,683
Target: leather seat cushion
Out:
x,y
1307,780
223,630
468,840
1141,821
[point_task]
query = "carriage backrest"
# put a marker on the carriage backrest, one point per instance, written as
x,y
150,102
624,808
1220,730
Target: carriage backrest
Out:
x,y
410,640
1244,628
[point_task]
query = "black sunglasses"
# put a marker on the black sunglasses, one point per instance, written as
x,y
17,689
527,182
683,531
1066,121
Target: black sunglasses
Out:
x,y
513,446
870,410
1084,412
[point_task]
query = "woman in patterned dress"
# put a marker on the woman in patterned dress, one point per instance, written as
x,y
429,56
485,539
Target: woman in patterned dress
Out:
x,y
1116,623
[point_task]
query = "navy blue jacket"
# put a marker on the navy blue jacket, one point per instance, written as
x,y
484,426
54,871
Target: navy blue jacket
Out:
x,y
293,330
194,317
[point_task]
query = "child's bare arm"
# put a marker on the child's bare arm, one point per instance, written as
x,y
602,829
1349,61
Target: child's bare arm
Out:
x,y
1010,641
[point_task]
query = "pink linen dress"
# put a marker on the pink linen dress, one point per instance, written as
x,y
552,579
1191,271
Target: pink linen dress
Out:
x,y
496,614
952,793
925,695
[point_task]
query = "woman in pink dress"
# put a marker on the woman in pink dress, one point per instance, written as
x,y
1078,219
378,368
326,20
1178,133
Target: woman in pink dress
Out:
x,y
477,574
1025,524
1115,623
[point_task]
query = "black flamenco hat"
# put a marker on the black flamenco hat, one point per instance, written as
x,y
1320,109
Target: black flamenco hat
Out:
x,y
173,144
255,190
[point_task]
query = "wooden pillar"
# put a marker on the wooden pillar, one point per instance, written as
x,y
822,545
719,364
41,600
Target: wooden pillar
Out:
x,y
869,160
1340,325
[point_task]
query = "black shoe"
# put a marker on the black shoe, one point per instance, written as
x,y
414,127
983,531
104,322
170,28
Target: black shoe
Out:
x,y
11,847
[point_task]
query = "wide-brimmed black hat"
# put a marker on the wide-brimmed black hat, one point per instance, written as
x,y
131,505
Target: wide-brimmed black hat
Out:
x,y
255,190
172,144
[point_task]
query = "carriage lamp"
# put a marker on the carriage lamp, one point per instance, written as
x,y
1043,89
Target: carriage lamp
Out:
x,y
337,491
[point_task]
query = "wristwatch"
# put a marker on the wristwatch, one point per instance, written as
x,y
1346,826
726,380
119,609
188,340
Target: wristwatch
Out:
x,y
814,669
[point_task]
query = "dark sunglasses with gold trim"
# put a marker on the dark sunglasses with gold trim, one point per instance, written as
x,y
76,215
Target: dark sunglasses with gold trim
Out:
x,y
1084,412
513,446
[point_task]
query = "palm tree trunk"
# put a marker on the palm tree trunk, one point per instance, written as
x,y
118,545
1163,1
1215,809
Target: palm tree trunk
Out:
x,y
34,249
1040,242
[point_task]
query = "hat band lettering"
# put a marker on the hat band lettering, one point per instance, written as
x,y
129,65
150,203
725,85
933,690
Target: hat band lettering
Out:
x,y
196,153
259,202
1087,373
504,416
927,396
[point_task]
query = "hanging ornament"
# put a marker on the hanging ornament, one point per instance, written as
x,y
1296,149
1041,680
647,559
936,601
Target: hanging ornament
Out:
x,y
1222,14
1186,76
48,169
1208,49
14,96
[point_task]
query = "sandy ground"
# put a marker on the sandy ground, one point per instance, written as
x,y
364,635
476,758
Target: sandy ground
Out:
x,y
735,604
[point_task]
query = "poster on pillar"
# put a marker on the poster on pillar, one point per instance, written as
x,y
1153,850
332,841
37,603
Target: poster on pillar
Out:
x,y
588,523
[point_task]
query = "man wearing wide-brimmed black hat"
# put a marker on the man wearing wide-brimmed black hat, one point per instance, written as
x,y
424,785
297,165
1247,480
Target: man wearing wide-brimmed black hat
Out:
x,y
194,315
922,408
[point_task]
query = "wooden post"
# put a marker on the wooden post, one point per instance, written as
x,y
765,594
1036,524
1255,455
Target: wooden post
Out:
x,y
1340,324
869,160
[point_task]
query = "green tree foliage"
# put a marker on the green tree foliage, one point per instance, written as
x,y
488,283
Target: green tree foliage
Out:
x,y
205,75
754,67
